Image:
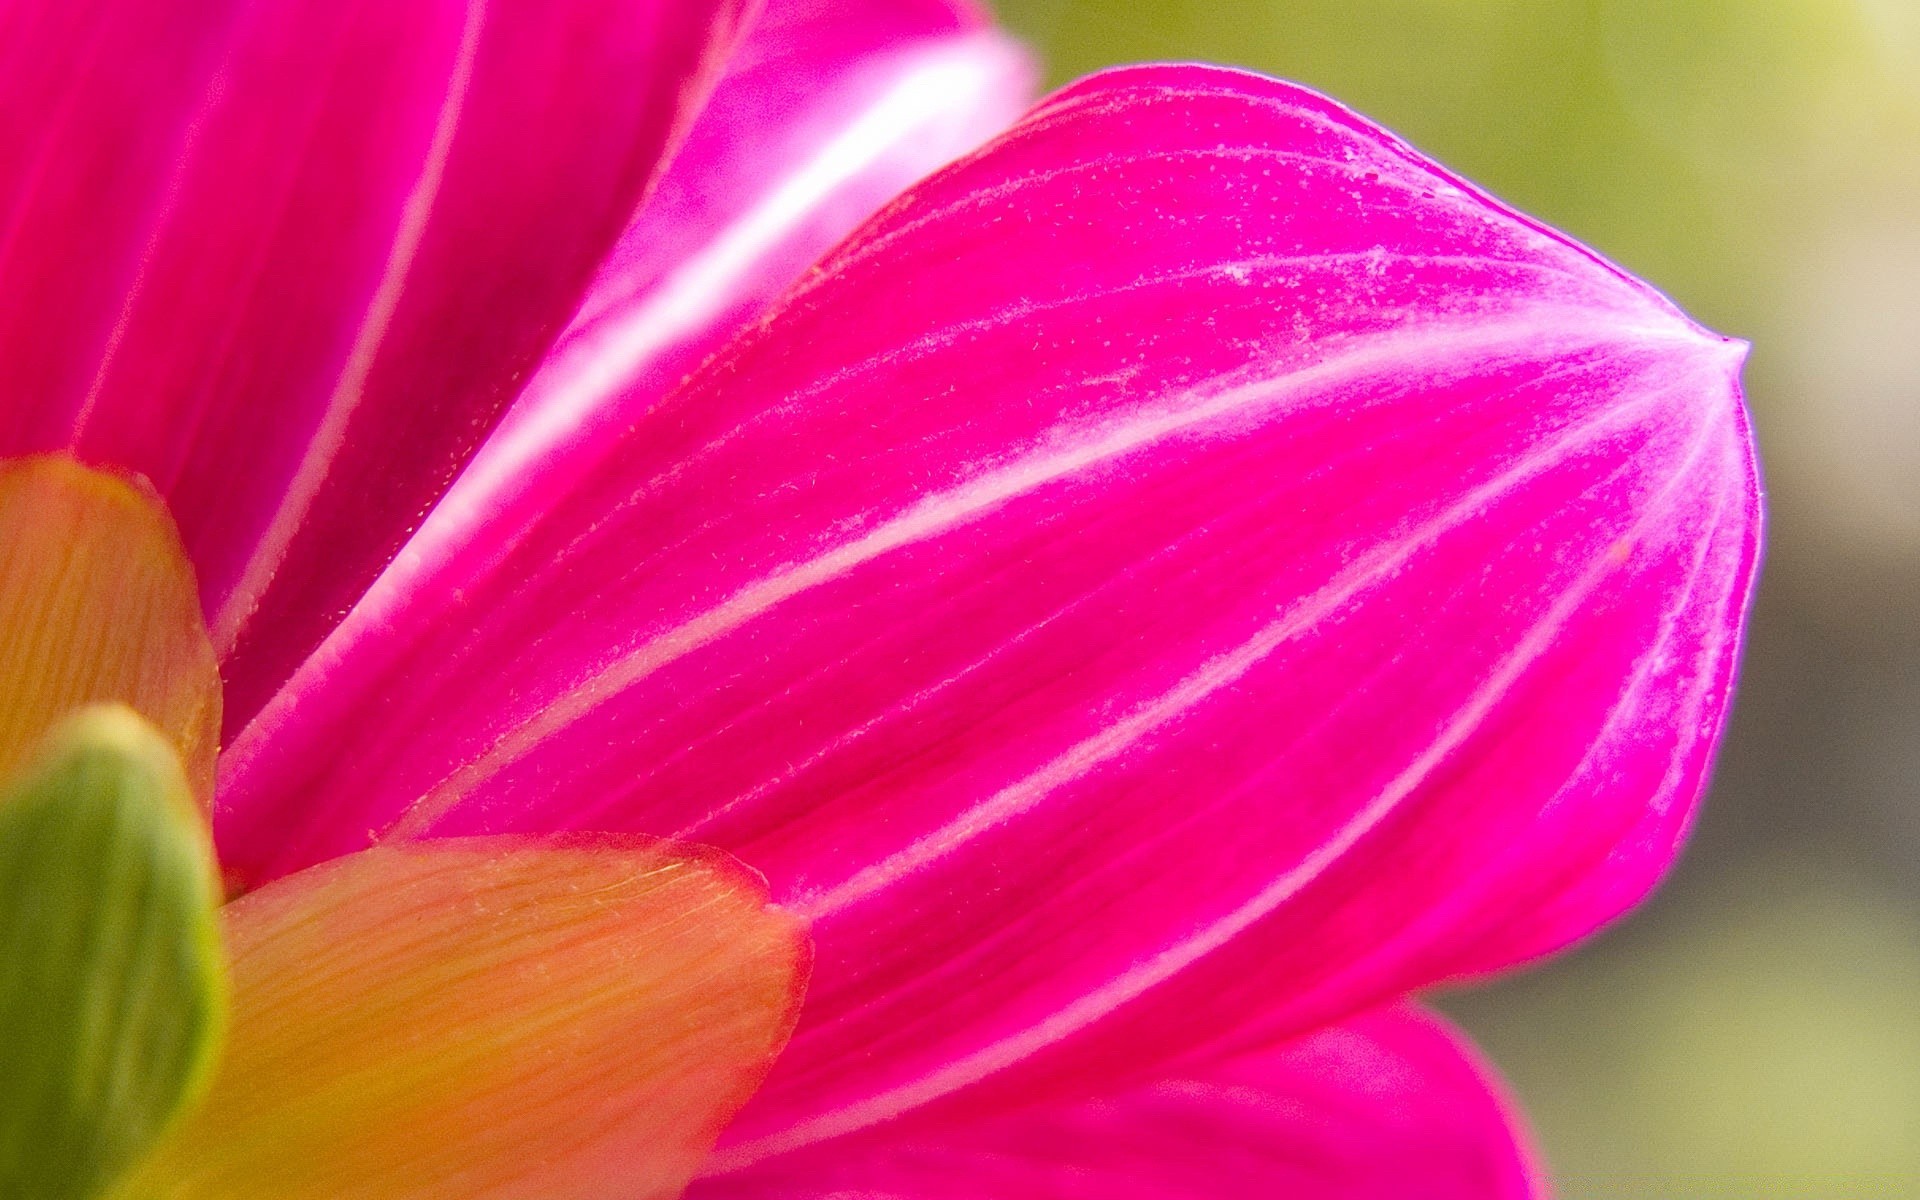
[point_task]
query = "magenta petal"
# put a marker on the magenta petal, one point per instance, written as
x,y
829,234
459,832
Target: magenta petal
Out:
x,y
1195,561
316,247
95,101
828,109
1392,1105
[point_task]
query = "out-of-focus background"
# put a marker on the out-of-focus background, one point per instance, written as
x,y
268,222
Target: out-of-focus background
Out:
x,y
1755,1031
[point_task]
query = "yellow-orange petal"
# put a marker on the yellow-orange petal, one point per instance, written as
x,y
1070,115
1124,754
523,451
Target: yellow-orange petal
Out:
x,y
489,1018
98,603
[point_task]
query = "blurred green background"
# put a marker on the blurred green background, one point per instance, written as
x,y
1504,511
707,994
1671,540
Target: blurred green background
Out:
x,y
1755,1031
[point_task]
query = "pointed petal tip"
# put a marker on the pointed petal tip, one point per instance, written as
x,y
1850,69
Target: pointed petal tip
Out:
x,y
1727,354
1424,547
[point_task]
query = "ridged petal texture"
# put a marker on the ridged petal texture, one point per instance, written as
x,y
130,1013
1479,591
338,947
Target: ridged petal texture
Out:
x,y
1193,566
97,603
1391,1105
490,1018
827,111
290,260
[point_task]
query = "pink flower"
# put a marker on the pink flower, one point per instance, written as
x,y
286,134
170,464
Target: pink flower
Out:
x,y
1168,585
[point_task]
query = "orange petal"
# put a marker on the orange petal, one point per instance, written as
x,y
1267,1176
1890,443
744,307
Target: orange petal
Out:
x,y
98,603
489,1017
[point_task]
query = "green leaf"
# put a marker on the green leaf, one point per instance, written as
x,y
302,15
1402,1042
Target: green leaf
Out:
x,y
112,981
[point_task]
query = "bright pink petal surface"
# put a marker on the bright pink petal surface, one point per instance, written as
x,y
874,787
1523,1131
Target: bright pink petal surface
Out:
x,y
828,110
95,100
290,260
1389,1106
1194,559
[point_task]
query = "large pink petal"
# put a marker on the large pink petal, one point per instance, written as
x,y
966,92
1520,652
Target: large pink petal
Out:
x,y
1194,559
1392,1105
290,259
827,110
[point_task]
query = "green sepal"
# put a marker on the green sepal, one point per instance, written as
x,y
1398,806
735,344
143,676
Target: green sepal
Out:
x,y
112,979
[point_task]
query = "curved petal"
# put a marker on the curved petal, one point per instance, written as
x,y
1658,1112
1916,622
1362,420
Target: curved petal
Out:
x,y
1387,1106
488,1019
97,605
1194,559
827,110
316,246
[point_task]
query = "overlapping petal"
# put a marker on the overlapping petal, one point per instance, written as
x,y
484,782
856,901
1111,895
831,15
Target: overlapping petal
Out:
x,y
1388,1106
291,260
828,109
488,1018
97,605
1193,566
